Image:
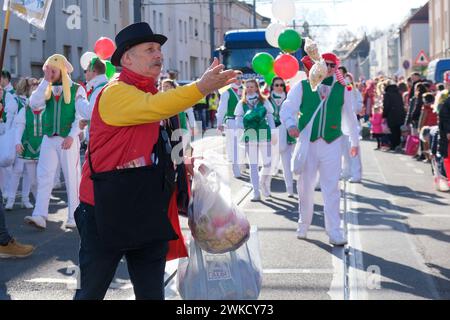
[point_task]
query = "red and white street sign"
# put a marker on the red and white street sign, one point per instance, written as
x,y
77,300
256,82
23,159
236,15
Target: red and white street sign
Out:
x,y
422,59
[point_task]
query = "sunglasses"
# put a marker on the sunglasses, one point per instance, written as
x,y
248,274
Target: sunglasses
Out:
x,y
331,65
277,85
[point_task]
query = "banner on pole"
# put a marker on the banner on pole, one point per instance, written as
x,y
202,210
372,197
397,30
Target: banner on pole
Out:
x,y
34,12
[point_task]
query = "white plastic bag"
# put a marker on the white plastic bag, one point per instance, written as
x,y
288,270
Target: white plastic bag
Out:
x,y
217,225
7,148
235,275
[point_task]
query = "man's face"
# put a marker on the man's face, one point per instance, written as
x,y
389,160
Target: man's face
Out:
x,y
331,68
89,75
415,78
146,59
55,74
4,82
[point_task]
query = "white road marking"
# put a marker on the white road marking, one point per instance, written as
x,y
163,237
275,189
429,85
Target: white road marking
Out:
x,y
299,271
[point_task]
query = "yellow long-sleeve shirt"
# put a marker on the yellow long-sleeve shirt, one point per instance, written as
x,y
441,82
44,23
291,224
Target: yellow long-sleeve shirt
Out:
x,y
125,105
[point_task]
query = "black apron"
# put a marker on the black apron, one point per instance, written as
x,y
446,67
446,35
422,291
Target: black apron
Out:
x,y
131,205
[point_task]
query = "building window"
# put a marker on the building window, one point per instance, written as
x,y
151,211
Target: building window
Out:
x,y
191,27
43,51
68,52
161,23
181,70
205,32
180,30
154,21
185,32
14,58
196,29
95,9
106,10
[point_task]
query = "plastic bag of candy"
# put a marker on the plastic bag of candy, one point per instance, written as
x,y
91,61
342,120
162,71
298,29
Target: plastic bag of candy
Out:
x,y
217,225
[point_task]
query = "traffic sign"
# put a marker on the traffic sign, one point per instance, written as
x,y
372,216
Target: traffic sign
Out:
x,y
406,64
422,59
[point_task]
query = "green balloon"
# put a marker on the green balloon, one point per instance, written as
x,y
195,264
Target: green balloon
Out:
x,y
268,78
263,63
289,41
110,70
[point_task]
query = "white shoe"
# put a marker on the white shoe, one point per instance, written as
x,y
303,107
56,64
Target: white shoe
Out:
x,y
70,224
10,204
27,204
353,180
338,239
302,232
290,192
36,221
256,196
265,186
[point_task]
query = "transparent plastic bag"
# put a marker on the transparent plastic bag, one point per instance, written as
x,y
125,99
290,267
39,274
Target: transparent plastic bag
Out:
x,y
217,225
234,275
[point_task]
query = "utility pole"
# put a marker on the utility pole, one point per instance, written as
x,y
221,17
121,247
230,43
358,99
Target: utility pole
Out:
x,y
255,26
211,28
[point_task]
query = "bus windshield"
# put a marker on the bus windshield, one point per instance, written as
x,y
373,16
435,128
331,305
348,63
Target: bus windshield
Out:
x,y
242,58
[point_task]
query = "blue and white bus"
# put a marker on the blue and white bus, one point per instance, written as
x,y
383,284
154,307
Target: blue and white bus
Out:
x,y
240,46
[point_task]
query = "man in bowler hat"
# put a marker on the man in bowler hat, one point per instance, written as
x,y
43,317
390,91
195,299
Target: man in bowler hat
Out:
x,y
124,128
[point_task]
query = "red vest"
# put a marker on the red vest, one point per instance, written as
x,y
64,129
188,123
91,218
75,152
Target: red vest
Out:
x,y
112,146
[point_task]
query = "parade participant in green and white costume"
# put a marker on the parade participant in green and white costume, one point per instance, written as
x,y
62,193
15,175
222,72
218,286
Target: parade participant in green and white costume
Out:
x,y
325,116
10,109
28,139
254,114
61,98
226,122
285,146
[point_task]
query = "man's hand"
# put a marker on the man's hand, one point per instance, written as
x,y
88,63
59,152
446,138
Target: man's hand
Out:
x,y
221,128
448,136
19,149
67,143
354,151
215,78
294,132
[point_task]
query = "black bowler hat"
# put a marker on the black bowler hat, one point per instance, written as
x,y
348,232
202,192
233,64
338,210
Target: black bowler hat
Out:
x,y
133,35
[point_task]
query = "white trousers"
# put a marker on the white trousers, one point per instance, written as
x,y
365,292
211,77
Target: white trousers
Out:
x,y
51,155
282,150
235,151
28,181
5,180
256,151
351,167
326,159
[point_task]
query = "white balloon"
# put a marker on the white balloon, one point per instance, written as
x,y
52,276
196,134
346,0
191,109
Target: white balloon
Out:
x,y
283,10
300,76
273,31
86,59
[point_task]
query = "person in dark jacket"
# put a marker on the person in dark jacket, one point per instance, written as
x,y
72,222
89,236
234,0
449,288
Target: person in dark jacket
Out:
x,y
420,90
393,112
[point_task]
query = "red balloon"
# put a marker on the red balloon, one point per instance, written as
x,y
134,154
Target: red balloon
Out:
x,y
104,48
286,66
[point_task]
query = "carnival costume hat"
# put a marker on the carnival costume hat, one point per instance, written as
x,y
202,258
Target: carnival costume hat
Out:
x,y
133,35
60,62
307,62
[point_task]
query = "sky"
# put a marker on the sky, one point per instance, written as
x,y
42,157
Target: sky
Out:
x,y
357,15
